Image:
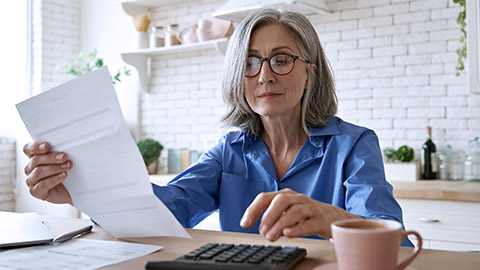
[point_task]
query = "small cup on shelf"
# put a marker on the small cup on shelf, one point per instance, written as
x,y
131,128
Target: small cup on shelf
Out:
x,y
203,30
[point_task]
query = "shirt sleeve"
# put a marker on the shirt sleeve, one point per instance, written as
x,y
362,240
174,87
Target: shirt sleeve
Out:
x,y
367,192
193,194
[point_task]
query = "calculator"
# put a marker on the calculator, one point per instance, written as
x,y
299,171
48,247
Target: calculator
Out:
x,y
230,257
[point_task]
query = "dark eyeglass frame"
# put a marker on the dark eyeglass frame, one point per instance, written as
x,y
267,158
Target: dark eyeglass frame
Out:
x,y
294,57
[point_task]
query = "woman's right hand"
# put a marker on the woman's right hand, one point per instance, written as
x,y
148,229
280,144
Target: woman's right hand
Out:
x,y
46,172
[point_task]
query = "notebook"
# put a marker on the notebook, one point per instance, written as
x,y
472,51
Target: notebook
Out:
x,y
22,229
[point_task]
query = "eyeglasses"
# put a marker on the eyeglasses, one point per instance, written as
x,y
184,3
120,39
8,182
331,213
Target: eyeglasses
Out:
x,y
280,64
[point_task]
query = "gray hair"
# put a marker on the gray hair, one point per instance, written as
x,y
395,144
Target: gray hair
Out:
x,y
319,102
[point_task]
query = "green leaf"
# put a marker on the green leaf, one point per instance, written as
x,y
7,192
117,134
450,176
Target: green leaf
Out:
x,y
405,153
93,54
462,50
99,62
388,154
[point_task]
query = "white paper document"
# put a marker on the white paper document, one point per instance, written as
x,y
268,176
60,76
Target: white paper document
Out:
x,y
109,180
76,254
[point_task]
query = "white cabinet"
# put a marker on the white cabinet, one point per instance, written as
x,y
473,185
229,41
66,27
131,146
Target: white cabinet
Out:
x,y
446,225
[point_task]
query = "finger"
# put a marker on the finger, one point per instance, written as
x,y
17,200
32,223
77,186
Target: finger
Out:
x,y
42,189
256,208
45,159
42,172
306,227
296,215
33,148
295,211
281,203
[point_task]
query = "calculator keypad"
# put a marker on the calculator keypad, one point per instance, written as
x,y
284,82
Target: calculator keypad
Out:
x,y
271,257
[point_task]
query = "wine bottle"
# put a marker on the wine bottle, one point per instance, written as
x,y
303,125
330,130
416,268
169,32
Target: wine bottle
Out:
x,y
429,162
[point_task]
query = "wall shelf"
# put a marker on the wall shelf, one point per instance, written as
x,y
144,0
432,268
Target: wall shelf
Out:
x,y
236,11
140,58
219,44
135,7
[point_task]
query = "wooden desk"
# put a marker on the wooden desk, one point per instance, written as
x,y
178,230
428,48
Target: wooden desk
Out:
x,y
318,251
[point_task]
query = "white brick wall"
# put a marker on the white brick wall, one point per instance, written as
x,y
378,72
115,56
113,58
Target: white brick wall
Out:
x,y
184,105
413,47
394,64
7,159
393,61
55,35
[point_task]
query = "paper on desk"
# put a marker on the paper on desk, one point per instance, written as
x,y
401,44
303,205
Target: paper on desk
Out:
x,y
76,254
108,181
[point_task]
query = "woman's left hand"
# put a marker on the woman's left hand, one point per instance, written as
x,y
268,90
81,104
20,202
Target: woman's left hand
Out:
x,y
291,214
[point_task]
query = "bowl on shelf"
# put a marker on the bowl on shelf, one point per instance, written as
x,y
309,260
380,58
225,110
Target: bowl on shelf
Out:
x,y
188,35
220,28
217,28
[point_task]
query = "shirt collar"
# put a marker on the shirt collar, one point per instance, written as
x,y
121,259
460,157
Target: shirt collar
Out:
x,y
316,134
239,137
330,129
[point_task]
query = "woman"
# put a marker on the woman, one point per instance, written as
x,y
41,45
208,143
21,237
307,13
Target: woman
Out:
x,y
292,160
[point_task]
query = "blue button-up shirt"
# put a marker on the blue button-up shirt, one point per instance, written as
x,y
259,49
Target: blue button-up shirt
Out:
x,y
340,165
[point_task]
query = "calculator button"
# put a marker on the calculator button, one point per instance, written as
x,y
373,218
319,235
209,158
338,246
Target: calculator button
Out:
x,y
255,261
278,259
289,249
221,259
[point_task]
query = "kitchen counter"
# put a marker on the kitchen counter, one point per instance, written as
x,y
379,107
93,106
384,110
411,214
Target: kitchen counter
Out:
x,y
422,189
464,191
445,213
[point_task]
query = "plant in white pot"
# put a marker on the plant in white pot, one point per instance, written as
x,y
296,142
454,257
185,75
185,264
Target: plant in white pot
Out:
x,y
399,164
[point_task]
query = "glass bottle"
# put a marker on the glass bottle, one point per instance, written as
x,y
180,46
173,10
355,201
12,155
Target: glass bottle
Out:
x,y
472,162
429,164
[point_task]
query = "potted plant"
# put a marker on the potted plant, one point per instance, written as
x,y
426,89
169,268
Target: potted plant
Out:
x,y
85,63
399,164
150,150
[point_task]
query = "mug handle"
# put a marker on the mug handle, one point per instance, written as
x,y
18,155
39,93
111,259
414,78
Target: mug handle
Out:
x,y
415,252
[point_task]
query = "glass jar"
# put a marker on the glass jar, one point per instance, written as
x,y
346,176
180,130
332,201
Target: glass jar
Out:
x,y
158,37
171,35
451,164
472,162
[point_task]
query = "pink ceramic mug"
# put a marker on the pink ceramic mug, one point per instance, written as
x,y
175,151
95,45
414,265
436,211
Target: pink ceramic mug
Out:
x,y
370,244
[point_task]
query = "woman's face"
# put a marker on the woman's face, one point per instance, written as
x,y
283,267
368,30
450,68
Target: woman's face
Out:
x,y
270,94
